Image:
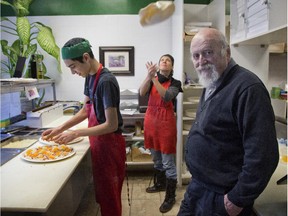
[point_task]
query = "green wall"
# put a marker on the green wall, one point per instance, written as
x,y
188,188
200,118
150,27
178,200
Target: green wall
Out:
x,y
87,7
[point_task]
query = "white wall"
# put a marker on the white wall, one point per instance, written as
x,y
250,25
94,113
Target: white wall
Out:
x,y
105,30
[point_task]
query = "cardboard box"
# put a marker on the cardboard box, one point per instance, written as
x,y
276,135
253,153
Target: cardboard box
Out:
x,y
128,154
138,156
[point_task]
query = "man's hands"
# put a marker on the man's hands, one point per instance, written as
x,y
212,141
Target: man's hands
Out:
x,y
231,209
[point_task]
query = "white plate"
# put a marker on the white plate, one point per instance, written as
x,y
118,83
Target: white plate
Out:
x,y
48,160
45,142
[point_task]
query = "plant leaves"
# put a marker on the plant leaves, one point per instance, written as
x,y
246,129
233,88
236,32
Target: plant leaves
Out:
x,y
22,7
23,46
30,50
10,52
23,29
11,5
16,47
47,42
6,3
4,47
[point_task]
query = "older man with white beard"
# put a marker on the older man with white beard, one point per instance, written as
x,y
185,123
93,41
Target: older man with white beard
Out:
x,y
231,150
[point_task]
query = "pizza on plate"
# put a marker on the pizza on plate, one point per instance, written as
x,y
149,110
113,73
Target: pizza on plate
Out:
x,y
48,153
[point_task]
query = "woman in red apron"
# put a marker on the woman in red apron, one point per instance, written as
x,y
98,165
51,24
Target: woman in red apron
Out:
x,y
104,121
160,133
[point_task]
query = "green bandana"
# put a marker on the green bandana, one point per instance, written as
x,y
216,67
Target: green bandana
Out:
x,y
76,50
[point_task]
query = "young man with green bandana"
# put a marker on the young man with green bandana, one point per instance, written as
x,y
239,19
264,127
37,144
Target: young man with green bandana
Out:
x,y
102,99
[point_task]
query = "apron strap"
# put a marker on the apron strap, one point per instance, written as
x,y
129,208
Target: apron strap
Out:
x,y
97,79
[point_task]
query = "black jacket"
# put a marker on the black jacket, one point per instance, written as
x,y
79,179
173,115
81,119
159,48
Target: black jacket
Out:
x,y
232,146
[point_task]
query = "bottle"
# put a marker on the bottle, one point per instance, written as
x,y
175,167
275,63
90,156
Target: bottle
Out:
x,y
40,73
33,67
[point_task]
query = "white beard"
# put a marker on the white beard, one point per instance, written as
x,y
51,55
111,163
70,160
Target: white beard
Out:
x,y
207,75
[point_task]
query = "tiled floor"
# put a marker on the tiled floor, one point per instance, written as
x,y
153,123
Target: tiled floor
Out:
x,y
142,203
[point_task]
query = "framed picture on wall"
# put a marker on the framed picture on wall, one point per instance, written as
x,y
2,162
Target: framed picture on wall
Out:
x,y
118,59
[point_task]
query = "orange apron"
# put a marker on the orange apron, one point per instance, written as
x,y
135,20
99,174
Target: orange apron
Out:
x,y
160,131
108,163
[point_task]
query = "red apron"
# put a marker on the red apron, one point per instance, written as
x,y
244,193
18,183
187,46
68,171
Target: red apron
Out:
x,y
108,163
160,131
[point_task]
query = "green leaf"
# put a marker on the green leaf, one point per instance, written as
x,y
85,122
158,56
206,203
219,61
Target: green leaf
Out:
x,y
4,47
23,29
16,47
47,42
30,50
6,3
22,7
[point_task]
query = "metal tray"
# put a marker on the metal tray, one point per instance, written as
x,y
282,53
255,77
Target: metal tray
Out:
x,y
9,153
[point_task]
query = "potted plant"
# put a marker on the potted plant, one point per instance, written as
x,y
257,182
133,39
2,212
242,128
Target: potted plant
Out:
x,y
27,38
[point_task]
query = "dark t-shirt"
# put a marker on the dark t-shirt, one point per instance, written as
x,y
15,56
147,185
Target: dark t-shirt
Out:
x,y
107,95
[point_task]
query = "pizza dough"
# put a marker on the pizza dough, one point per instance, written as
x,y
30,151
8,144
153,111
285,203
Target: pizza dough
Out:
x,y
45,142
156,12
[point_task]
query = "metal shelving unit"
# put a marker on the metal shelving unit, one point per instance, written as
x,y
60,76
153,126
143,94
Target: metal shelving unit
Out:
x,y
131,120
18,86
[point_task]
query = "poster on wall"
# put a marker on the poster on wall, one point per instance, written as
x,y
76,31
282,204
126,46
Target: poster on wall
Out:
x,y
118,59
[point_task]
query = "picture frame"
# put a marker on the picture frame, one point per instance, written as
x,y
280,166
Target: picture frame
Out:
x,y
118,59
